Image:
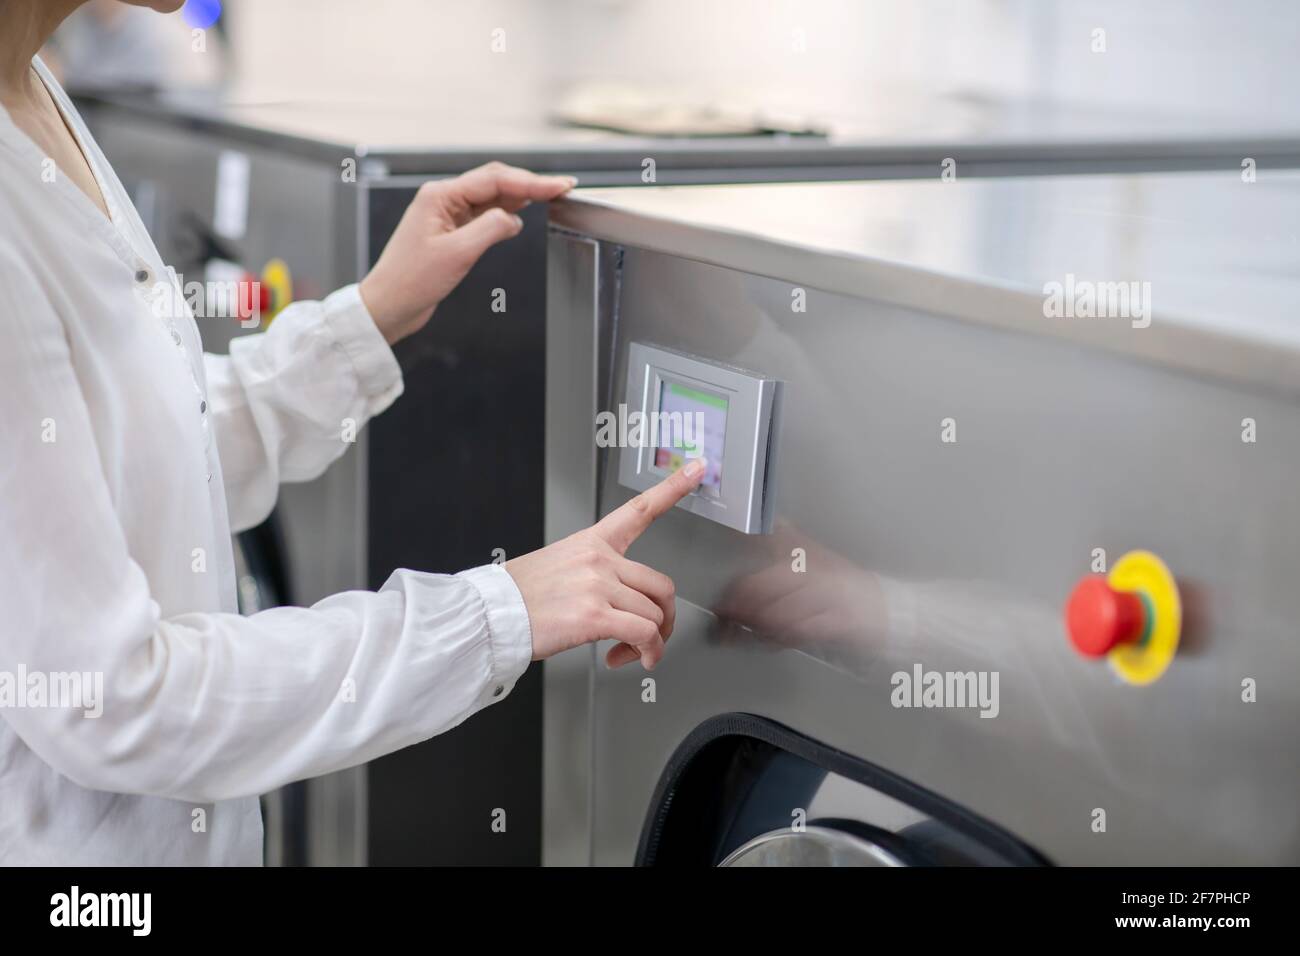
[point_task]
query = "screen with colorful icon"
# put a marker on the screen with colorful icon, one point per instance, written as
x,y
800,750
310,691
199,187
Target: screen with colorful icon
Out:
x,y
691,422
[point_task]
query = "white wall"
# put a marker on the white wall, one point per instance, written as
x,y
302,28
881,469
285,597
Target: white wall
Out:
x,y
1185,56
350,51
1198,57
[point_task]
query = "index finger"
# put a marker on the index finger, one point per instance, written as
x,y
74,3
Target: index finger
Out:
x,y
625,524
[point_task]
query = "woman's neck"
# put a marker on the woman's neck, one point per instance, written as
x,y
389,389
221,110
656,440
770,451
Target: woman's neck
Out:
x,y
25,26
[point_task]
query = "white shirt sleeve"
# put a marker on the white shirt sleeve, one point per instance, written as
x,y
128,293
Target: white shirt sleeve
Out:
x,y
209,706
287,402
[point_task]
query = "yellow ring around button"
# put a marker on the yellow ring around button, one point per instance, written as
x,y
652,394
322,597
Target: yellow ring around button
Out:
x,y
1143,573
277,277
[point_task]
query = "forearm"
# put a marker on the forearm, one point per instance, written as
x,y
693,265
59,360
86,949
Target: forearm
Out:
x,y
206,707
287,403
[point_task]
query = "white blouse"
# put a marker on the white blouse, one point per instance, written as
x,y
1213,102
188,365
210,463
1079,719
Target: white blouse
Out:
x,y
127,456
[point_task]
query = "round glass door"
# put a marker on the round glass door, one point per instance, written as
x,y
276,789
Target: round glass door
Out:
x,y
812,846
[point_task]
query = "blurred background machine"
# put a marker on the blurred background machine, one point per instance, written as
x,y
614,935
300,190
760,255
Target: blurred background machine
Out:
x,y
293,161
1027,448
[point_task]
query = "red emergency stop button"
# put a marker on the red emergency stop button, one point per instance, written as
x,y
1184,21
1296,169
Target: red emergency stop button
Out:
x,y
1132,616
254,298
1100,618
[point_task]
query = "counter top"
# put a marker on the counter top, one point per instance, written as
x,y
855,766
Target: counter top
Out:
x,y
436,134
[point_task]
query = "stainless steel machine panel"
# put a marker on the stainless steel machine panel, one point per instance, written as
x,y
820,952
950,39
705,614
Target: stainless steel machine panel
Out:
x,y
956,453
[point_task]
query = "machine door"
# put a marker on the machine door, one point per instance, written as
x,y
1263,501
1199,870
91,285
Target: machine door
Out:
x,y
743,790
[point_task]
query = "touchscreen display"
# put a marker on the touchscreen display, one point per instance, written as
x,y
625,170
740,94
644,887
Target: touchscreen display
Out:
x,y
691,422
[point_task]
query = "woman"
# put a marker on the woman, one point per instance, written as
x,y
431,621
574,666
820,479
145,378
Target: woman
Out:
x,y
126,458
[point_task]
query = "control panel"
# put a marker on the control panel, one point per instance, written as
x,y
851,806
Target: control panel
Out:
x,y
681,407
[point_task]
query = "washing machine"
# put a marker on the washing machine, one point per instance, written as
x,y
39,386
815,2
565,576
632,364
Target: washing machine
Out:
x,y
994,559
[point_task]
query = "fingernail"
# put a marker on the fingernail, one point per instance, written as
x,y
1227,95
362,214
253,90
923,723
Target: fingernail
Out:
x,y
519,222
694,468
571,180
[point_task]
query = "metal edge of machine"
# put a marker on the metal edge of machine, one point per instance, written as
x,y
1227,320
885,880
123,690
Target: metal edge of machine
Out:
x,y
1172,342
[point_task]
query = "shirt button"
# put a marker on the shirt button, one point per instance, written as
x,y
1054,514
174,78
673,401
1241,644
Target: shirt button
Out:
x,y
499,691
209,476
142,276
176,336
203,408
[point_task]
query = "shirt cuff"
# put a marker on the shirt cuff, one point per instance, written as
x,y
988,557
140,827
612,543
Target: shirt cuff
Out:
x,y
510,636
354,332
